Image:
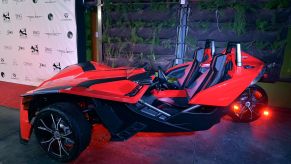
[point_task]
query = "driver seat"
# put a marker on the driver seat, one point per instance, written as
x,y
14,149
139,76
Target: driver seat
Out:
x,y
210,77
192,71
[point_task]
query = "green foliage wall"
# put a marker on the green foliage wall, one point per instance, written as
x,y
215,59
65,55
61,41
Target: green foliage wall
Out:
x,y
260,25
138,32
142,31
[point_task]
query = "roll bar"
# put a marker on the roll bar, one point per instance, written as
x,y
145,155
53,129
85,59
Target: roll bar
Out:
x,y
237,46
210,44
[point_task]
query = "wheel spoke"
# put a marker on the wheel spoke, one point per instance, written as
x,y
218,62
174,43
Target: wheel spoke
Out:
x,y
45,127
243,111
58,123
49,146
251,111
65,135
43,142
249,93
61,147
54,123
66,138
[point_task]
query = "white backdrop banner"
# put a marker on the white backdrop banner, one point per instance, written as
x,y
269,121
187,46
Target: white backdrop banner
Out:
x,y
37,39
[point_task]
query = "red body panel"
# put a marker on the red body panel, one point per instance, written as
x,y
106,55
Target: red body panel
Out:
x,y
169,93
178,66
81,91
116,90
223,94
25,126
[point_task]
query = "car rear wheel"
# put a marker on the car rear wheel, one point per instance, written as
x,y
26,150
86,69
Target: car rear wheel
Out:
x,y
62,131
248,107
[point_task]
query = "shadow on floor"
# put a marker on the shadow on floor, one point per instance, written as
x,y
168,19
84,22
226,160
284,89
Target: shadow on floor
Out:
x,y
267,140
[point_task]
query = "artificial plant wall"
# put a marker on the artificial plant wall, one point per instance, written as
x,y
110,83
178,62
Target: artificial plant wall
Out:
x,y
260,25
145,31
139,32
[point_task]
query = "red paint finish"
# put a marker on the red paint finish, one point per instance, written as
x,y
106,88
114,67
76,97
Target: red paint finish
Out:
x,y
169,93
74,75
178,66
121,87
81,91
223,94
207,52
25,126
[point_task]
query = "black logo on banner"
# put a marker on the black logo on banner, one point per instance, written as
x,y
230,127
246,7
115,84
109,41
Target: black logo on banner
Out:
x,y
48,50
57,66
53,34
2,61
21,48
36,33
28,64
70,34
7,47
6,17
42,65
34,1
50,1
23,33
34,17
34,49
2,74
13,76
66,17
18,1
18,16
9,32
50,16
66,51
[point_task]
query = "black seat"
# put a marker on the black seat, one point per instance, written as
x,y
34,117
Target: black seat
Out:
x,y
211,77
193,72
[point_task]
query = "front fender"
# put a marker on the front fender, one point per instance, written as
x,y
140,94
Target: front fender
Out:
x,y
25,123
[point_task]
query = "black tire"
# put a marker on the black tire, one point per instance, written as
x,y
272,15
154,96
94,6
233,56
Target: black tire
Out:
x,y
252,112
62,131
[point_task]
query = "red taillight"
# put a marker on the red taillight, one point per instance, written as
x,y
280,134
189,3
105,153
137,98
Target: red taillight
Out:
x,y
266,113
258,94
235,108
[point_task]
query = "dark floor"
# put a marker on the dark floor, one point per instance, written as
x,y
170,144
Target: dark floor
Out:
x,y
267,140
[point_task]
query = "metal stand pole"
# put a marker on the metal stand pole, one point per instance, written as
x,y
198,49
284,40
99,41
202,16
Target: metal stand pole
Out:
x,y
182,32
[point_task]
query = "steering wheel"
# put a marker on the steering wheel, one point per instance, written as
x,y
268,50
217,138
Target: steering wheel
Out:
x,y
161,81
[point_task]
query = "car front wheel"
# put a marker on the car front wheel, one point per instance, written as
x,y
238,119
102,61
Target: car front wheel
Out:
x,y
62,131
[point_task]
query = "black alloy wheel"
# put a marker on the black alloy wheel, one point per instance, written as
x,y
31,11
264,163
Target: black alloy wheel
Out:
x,y
248,107
62,131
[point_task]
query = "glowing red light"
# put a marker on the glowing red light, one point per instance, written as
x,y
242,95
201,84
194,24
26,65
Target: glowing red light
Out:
x,y
266,113
235,108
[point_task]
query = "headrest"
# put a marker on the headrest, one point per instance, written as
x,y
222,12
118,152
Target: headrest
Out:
x,y
199,55
219,61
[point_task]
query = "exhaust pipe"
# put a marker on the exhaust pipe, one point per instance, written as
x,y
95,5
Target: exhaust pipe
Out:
x,y
238,55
